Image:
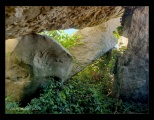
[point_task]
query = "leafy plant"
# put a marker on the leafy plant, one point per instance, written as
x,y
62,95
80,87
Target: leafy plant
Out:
x,y
66,40
71,99
117,32
13,107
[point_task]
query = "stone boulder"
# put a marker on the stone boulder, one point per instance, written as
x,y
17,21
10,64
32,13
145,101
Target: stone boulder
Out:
x,y
96,41
132,78
35,58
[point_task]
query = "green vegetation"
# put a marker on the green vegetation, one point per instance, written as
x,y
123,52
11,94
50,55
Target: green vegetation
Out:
x,y
66,40
13,107
87,92
117,32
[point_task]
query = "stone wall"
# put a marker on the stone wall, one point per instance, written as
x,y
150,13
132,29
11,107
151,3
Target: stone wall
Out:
x,y
133,73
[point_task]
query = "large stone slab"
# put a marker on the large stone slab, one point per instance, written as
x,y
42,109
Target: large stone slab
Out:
x,y
96,42
22,20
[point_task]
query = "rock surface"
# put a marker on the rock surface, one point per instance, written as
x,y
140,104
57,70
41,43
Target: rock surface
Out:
x,y
133,74
34,58
96,42
21,20
10,44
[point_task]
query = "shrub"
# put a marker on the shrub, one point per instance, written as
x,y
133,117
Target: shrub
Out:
x,y
75,97
66,40
12,107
